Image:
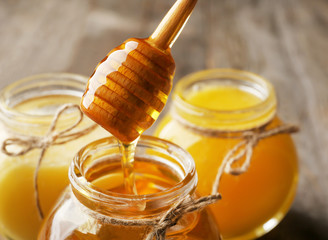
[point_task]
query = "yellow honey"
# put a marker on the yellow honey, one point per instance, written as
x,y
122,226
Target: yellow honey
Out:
x,y
26,115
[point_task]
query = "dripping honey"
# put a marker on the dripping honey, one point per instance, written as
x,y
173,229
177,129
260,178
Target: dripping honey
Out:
x,y
127,162
126,93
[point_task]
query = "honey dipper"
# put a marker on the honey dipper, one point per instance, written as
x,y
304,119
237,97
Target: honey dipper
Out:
x,y
130,86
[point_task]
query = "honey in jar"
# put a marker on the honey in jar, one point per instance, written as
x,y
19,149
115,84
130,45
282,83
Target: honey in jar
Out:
x,y
27,108
96,197
229,103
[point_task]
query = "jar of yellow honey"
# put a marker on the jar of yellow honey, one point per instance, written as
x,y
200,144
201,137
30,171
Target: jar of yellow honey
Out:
x,y
97,206
27,109
212,112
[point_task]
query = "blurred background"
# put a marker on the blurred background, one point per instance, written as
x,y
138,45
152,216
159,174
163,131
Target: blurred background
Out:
x,y
286,41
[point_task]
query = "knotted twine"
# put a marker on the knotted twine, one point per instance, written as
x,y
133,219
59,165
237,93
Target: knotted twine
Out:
x,y
158,226
242,150
52,137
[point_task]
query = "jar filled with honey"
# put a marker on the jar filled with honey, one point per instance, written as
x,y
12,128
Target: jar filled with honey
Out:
x,y
27,109
212,112
97,206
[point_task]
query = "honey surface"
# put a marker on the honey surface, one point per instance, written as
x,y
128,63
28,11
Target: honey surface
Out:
x,y
223,98
149,178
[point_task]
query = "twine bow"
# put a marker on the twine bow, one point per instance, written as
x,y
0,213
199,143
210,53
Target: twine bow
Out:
x,y
28,143
173,215
245,149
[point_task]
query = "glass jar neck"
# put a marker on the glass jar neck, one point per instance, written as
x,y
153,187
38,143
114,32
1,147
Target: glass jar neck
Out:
x,y
224,119
27,107
98,160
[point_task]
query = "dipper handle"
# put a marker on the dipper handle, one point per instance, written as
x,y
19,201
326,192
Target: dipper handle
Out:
x,y
172,24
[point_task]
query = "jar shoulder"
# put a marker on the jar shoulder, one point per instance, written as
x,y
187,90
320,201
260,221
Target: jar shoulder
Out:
x,y
174,131
70,220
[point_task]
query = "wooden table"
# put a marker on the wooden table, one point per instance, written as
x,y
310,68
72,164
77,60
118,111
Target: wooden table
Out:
x,y
286,41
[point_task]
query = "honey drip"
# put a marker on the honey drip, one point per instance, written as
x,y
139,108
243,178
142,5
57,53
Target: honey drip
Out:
x,y
127,161
130,86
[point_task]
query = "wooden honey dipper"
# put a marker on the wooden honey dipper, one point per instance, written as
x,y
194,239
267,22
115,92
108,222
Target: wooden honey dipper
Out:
x,y
130,86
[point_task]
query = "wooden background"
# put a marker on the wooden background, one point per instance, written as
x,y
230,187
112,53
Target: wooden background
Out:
x,y
286,41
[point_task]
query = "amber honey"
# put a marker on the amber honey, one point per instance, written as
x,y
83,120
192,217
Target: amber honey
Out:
x,y
149,178
230,102
164,173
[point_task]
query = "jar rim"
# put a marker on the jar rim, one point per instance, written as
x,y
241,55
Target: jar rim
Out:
x,y
28,82
223,118
80,183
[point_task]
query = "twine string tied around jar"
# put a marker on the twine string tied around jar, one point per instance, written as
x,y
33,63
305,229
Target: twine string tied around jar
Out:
x,y
159,225
244,150
174,214
52,137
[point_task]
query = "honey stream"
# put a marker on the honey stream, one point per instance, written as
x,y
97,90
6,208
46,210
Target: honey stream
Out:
x,y
127,161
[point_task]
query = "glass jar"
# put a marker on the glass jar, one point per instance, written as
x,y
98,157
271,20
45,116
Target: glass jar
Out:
x,y
27,108
164,174
228,104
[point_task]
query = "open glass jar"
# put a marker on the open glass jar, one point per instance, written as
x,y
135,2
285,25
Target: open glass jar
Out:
x,y
27,109
212,111
95,202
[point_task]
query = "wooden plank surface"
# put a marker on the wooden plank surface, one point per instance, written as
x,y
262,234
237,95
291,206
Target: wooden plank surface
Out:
x,y
285,41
